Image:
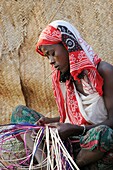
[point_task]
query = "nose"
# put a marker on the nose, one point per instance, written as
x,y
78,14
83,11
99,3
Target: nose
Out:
x,y
51,60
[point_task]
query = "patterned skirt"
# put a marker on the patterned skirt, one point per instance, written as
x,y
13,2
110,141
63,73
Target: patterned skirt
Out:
x,y
100,138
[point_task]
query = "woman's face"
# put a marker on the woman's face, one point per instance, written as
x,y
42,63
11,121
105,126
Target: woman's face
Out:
x,y
57,55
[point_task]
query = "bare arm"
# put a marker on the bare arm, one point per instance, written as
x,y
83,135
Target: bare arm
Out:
x,y
106,71
46,120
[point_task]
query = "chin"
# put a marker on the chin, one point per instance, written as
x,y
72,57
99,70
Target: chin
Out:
x,y
62,71
65,71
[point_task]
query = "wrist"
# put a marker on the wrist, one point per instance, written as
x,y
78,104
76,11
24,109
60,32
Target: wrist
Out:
x,y
83,131
79,130
54,119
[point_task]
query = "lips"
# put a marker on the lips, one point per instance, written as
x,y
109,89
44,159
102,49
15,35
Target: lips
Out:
x,y
56,67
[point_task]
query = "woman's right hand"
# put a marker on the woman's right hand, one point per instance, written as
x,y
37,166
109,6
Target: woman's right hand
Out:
x,y
43,120
46,120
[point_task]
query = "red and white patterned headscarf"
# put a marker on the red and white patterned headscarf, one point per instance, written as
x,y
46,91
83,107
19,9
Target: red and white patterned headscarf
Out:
x,y
81,57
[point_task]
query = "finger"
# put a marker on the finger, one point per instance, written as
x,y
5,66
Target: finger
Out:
x,y
34,133
53,125
41,119
40,123
33,137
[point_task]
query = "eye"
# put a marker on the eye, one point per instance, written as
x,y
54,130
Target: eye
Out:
x,y
53,53
46,54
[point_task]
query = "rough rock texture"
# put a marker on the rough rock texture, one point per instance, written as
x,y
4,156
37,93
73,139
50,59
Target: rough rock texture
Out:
x,y
23,73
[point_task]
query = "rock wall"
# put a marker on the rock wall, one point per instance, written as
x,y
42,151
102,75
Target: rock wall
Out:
x,y
24,75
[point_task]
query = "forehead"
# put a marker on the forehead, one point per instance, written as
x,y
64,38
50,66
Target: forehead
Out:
x,y
51,47
47,47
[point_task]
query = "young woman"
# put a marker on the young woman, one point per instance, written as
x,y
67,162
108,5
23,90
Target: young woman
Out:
x,y
83,89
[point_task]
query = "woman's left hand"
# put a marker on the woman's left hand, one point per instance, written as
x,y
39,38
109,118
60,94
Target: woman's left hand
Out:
x,y
64,129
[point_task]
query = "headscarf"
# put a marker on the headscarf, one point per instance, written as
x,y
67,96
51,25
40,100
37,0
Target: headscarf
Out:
x,y
81,57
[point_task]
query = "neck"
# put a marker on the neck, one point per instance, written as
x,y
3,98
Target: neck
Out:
x,y
64,76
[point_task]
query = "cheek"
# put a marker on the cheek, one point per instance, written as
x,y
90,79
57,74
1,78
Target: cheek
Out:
x,y
64,63
62,56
